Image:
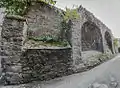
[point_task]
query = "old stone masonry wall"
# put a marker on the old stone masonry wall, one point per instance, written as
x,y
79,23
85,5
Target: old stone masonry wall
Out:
x,y
46,64
11,48
42,19
21,64
89,35
25,65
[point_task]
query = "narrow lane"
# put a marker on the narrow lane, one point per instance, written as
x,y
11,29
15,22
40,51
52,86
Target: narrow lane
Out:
x,y
102,74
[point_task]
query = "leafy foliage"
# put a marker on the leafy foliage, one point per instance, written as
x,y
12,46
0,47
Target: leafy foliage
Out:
x,y
18,7
65,27
116,42
71,14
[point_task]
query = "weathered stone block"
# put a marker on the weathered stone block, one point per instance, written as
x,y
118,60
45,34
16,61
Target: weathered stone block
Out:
x,y
13,78
13,68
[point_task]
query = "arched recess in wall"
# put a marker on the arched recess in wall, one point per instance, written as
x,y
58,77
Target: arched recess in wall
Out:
x,y
91,37
108,40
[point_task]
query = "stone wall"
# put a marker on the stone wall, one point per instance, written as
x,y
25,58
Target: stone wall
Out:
x,y
91,37
43,20
76,46
11,48
46,64
86,17
20,65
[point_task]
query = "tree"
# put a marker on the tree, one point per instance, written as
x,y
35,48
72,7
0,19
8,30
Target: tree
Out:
x,y
18,7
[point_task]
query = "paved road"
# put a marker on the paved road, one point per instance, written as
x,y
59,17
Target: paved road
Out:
x,y
103,74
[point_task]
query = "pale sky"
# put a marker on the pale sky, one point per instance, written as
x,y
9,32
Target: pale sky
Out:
x,y
108,11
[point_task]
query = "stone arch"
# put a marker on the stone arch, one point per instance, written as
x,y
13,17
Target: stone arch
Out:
x,y
108,39
91,37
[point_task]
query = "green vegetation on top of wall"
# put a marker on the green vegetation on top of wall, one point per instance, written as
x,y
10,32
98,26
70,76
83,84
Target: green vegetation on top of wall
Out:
x,y
64,26
71,14
19,7
116,42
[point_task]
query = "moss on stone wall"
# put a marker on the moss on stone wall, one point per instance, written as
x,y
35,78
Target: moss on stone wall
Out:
x,y
33,43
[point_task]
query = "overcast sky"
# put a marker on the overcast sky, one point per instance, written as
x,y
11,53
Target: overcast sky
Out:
x,y
108,11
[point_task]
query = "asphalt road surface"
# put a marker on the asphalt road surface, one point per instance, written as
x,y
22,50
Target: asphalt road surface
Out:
x,y
103,74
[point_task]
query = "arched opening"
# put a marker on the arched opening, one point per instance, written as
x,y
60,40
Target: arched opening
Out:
x,y
91,37
108,41
119,49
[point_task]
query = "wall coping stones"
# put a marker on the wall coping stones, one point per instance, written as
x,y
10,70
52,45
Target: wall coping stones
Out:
x,y
46,48
16,17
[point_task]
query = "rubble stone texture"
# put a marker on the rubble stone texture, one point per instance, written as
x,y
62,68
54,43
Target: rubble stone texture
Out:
x,y
89,33
11,49
44,64
43,19
20,66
